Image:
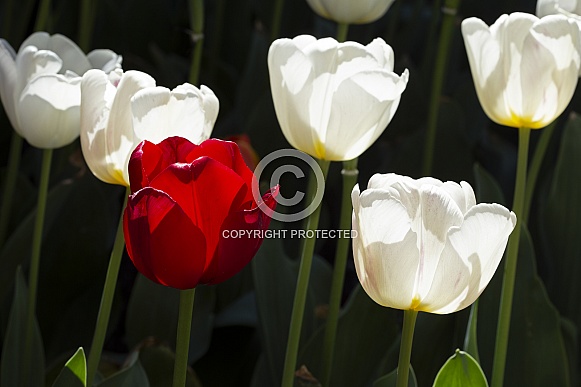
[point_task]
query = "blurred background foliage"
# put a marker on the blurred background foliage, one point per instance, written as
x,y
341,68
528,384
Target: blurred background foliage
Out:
x,y
240,327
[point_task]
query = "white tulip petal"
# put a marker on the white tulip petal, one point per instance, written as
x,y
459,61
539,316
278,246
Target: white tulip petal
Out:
x,y
211,109
97,94
480,243
349,11
55,101
159,113
8,76
105,60
376,96
121,139
31,62
72,56
386,259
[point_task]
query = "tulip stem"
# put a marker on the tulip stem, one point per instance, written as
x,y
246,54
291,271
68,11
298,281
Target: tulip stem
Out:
x,y
294,336
449,10
35,257
10,184
405,349
183,337
197,23
510,265
350,174
86,23
535,167
106,300
41,23
276,18
342,30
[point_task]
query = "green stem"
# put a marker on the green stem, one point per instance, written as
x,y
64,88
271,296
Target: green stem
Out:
x,y
535,167
10,184
470,340
405,350
36,248
276,18
41,23
342,30
106,300
298,312
449,9
350,174
508,280
86,23
183,337
197,22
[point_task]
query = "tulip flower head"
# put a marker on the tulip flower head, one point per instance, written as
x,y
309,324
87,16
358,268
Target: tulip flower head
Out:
x,y
525,69
119,110
349,11
425,245
189,207
333,100
40,86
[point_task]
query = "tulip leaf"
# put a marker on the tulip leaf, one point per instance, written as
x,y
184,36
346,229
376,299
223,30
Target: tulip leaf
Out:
x,y
74,373
461,370
561,223
132,376
158,361
390,380
13,370
275,278
153,311
376,331
536,350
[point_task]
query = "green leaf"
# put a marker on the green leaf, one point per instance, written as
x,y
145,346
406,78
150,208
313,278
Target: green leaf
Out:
x,y
275,277
536,350
132,376
74,373
13,370
153,311
390,380
471,339
461,370
158,362
376,329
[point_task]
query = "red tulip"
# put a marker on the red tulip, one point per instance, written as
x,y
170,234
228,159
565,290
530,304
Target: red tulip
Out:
x,y
185,200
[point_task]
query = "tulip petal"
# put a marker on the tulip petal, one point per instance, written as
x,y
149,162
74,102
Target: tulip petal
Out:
x,y
8,76
105,60
472,255
55,101
157,232
233,254
148,160
375,95
384,248
72,56
207,191
159,112
120,136
97,94
349,11
31,62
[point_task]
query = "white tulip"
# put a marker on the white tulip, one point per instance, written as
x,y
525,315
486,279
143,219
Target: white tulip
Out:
x,y
333,100
571,8
524,68
425,245
118,111
350,11
40,86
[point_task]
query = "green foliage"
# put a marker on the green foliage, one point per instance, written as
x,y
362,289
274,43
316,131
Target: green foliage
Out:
x,y
461,370
74,373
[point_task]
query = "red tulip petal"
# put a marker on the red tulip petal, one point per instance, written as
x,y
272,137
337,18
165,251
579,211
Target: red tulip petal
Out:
x,y
148,160
227,153
235,251
162,242
206,190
